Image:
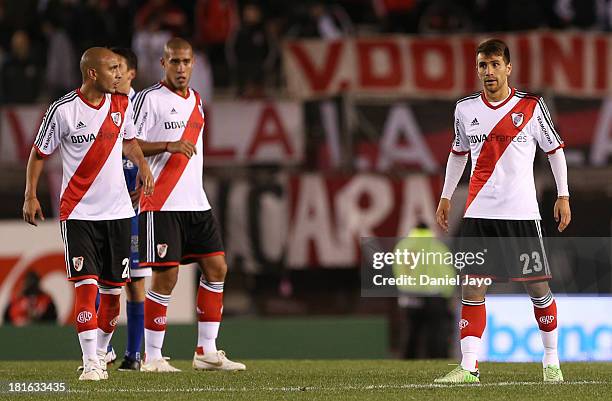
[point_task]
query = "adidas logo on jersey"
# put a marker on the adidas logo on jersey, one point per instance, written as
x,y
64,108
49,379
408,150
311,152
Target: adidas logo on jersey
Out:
x,y
80,125
173,111
475,122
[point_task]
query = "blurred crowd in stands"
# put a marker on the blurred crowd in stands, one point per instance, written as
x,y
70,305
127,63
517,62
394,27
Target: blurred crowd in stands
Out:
x,y
237,42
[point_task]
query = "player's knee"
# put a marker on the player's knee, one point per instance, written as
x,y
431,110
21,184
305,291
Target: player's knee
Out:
x,y
135,290
537,289
216,272
164,280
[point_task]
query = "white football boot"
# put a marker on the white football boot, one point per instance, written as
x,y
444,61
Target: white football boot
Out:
x,y
92,371
215,361
157,365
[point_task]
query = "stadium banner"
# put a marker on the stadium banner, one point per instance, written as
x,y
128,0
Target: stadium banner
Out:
x,y
568,63
512,334
25,248
254,132
300,221
385,135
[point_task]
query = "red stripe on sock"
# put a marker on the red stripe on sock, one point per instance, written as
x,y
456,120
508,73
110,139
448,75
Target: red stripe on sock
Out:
x,y
473,320
108,312
210,305
85,307
546,317
154,315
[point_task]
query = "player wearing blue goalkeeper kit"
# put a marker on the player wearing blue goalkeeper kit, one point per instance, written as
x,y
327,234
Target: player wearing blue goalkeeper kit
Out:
x,y
135,289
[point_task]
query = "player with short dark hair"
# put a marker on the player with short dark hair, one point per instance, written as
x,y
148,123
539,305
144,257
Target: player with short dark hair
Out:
x,y
135,289
92,125
501,127
176,224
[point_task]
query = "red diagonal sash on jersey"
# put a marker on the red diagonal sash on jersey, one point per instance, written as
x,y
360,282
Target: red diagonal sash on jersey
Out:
x,y
94,159
501,137
176,164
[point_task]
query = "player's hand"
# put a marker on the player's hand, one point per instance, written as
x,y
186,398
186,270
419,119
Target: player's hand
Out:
x,y
31,209
145,180
442,213
184,147
562,213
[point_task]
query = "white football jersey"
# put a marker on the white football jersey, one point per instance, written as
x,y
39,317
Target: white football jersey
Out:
x,y
502,142
90,139
161,115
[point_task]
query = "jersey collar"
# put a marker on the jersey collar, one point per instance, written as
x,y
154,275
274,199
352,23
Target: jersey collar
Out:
x,y
172,90
93,106
486,102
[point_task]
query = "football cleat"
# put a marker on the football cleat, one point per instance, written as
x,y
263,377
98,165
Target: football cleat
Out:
x,y
128,364
552,374
92,371
215,361
102,363
459,375
110,356
157,365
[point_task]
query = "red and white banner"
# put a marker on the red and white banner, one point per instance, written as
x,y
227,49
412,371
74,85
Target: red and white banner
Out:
x,y
567,63
254,132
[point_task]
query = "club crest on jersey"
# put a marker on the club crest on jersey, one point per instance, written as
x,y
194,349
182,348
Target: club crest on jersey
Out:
x,y
162,249
517,119
116,117
77,262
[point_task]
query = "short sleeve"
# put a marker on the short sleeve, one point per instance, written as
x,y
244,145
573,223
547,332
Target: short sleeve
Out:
x,y
544,130
49,136
461,145
144,115
129,130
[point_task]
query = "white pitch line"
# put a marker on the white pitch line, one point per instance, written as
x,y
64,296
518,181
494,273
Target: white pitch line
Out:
x,y
338,388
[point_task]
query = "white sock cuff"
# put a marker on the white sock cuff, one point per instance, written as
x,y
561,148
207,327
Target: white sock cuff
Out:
x,y
543,302
472,303
86,281
158,298
88,334
213,286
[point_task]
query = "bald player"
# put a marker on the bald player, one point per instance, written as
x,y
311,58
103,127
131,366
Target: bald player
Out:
x,y
92,125
176,223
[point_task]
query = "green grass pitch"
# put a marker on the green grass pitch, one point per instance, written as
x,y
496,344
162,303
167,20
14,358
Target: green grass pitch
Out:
x,y
317,380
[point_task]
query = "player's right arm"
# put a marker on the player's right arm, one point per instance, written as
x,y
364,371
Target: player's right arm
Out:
x,y
145,117
46,141
455,165
31,206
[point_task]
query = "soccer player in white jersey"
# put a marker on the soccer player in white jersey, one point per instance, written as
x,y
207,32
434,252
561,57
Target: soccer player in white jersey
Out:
x,y
500,128
92,126
176,223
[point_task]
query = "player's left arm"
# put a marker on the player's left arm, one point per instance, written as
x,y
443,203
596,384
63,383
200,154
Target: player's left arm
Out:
x,y
550,142
561,211
132,151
